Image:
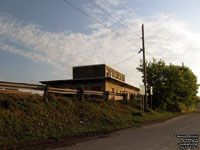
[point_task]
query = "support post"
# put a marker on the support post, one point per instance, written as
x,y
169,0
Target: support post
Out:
x,y
106,95
46,91
125,97
81,94
144,68
141,103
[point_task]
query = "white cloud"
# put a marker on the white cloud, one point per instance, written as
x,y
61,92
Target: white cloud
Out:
x,y
165,37
61,50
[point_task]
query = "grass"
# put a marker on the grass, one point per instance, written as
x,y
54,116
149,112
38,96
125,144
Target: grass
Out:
x,y
25,119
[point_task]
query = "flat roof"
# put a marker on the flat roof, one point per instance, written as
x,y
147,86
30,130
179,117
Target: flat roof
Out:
x,y
89,65
86,79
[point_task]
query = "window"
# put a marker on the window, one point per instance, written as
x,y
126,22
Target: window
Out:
x,y
107,73
111,74
122,78
113,90
115,75
119,77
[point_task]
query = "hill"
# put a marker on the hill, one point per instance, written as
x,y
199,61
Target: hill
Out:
x,y
25,119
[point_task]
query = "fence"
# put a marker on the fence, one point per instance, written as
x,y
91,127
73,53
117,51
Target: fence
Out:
x,y
79,92
47,89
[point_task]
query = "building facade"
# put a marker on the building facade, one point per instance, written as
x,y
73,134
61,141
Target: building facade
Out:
x,y
99,77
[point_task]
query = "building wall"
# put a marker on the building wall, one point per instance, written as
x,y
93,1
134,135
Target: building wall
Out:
x,y
99,85
112,87
116,87
89,71
110,72
93,71
87,85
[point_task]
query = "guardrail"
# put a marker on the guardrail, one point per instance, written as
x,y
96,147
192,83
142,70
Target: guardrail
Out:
x,y
79,92
47,89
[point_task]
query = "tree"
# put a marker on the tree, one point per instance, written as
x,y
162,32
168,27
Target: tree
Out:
x,y
175,87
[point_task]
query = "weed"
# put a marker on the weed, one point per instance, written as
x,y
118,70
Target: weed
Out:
x,y
27,119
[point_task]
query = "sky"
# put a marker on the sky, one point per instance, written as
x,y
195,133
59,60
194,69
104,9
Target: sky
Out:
x,y
43,39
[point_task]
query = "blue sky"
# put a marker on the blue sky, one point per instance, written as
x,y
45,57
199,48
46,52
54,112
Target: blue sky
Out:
x,y
43,40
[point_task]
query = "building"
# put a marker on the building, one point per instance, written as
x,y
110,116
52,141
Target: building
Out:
x,y
99,77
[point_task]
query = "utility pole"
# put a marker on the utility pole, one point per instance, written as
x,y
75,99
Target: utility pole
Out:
x,y
144,68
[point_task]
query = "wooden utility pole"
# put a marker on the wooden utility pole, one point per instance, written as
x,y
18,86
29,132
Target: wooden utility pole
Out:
x,y
144,68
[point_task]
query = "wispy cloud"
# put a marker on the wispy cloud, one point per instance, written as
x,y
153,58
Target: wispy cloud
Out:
x,y
62,50
166,38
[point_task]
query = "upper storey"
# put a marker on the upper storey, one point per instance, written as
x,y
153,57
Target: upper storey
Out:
x,y
94,71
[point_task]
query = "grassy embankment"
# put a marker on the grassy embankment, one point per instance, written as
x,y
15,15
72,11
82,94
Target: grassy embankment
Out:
x,y
27,118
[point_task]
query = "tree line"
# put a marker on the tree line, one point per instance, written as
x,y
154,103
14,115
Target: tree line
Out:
x,y
175,87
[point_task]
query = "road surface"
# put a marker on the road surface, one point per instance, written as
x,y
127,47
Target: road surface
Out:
x,y
159,136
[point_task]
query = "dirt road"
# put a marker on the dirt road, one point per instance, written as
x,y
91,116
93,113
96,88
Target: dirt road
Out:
x,y
158,136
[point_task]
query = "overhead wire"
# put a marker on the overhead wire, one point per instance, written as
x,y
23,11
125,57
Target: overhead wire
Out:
x,y
124,60
111,16
96,20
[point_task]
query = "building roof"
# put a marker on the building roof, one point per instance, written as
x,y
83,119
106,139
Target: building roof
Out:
x,y
89,65
90,79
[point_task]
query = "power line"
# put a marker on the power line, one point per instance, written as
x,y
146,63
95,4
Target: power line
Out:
x,y
111,16
94,19
124,60
136,32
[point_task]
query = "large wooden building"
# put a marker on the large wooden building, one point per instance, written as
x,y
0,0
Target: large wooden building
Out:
x,y
99,77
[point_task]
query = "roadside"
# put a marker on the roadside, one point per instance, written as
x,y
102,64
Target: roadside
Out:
x,y
158,136
28,122
61,143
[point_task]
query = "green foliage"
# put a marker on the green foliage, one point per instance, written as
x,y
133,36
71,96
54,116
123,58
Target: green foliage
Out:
x,y
175,87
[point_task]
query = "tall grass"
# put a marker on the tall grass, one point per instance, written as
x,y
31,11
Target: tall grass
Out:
x,y
28,118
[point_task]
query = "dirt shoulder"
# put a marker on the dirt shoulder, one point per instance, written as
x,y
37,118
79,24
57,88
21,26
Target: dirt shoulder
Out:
x,y
59,143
